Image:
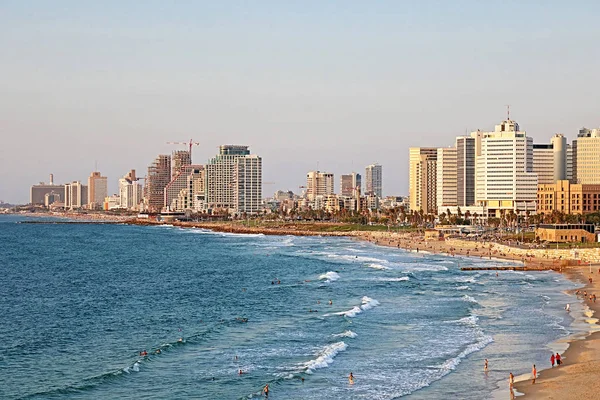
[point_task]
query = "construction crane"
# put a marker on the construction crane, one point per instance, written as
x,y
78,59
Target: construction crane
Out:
x,y
190,144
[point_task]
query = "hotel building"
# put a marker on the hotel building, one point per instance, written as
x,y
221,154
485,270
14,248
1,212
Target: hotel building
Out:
x,y
504,171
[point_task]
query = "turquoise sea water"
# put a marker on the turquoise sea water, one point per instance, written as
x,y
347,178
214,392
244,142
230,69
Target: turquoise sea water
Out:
x,y
79,302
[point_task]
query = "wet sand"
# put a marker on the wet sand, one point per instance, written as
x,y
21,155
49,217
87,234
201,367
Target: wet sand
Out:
x,y
577,377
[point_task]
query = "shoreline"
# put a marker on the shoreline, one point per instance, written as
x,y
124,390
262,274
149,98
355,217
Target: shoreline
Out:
x,y
575,378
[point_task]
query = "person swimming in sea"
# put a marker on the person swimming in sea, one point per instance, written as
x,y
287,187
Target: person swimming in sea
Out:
x,y
351,378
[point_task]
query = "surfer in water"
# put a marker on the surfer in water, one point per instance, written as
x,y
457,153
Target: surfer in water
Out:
x,y
351,378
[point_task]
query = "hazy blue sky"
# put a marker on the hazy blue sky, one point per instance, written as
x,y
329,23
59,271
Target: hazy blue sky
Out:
x,y
342,84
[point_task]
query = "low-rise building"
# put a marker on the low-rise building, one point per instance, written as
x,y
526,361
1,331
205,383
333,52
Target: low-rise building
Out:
x,y
576,233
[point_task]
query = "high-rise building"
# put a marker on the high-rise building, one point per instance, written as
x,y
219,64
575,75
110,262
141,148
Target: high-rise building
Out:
x,y
465,170
586,157
349,183
191,194
550,160
37,194
559,146
247,184
76,195
130,192
374,180
97,190
504,171
180,159
179,182
446,175
221,186
423,179
318,184
159,176
543,163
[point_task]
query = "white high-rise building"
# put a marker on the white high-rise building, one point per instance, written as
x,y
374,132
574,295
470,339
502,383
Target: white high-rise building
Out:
x,y
234,180
318,184
446,175
374,180
543,163
76,195
219,177
550,161
130,192
504,174
247,184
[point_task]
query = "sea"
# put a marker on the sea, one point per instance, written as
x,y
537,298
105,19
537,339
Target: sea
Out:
x,y
81,303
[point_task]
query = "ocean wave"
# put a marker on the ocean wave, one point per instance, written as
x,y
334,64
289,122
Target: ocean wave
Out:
x,y
470,320
325,357
347,257
423,267
377,266
463,288
468,298
330,276
452,363
400,279
348,334
367,304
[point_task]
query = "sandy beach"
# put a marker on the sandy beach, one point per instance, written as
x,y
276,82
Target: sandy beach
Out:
x,y
576,377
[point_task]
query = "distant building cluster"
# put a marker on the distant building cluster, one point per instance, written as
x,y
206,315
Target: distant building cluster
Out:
x,y
490,174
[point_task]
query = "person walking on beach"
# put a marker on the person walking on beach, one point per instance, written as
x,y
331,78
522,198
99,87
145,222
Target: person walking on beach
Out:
x,y
533,374
558,360
511,381
485,366
552,358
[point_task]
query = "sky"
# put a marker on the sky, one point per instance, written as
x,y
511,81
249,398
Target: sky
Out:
x,y
333,85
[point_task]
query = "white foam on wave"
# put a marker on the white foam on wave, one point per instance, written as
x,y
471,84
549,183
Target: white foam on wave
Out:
x,y
468,298
330,276
423,267
452,363
377,266
465,279
325,357
470,320
348,334
368,303
347,257
463,288
136,367
400,279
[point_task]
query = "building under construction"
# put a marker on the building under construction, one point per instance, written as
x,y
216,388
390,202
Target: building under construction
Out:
x,y
159,176
180,159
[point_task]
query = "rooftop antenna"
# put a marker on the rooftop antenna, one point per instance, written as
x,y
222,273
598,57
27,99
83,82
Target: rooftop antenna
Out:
x,y
508,111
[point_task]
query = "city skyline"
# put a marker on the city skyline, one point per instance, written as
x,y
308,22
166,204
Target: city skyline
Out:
x,y
341,85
